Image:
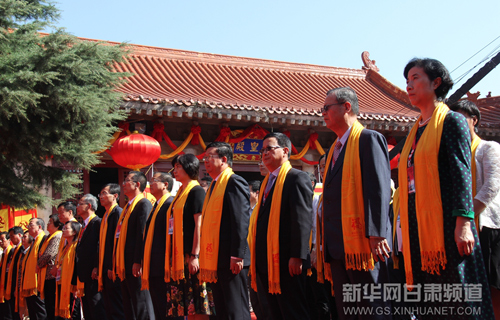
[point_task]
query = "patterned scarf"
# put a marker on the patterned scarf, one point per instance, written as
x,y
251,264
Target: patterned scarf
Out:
x,y
428,205
273,248
43,272
210,228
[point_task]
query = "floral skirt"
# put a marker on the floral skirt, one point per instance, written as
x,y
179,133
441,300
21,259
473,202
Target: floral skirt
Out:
x,y
189,296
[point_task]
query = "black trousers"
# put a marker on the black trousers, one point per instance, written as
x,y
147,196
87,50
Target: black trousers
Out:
x,y
36,308
291,304
112,297
259,301
136,302
158,292
231,296
92,302
5,312
49,291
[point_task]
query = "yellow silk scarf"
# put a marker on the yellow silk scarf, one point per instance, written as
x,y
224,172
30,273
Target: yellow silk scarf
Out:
x,y
5,257
357,247
474,144
323,268
30,277
273,248
428,205
102,246
176,271
146,262
67,267
43,272
10,277
119,245
210,228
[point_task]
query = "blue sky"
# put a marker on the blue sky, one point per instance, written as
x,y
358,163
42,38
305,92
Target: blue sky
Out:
x,y
330,33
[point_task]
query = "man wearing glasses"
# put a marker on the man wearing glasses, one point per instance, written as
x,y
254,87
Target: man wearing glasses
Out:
x,y
280,231
356,195
128,248
87,259
224,230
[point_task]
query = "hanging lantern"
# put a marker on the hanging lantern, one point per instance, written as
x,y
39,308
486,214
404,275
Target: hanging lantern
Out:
x,y
395,161
135,151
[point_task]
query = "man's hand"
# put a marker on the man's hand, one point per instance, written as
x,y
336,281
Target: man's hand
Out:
x,y
194,265
295,266
137,270
380,248
94,274
236,265
463,236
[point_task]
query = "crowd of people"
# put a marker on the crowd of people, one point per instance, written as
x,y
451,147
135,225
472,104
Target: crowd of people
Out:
x,y
222,247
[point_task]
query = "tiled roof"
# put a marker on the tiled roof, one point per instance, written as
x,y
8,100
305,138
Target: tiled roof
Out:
x,y
169,78
490,111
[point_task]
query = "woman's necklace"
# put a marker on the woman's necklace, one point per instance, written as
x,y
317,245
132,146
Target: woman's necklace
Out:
x,y
421,124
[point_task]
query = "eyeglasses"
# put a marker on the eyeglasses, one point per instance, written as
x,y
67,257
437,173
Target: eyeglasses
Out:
x,y
127,180
103,194
81,204
268,148
210,156
156,180
327,106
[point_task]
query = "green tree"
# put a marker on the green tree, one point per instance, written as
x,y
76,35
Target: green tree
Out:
x,y
58,103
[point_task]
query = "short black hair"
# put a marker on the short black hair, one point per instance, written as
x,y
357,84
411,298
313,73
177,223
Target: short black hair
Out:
x,y
223,149
114,188
76,226
55,220
189,163
16,230
322,156
282,139
467,107
167,178
141,178
6,233
68,206
313,178
433,69
207,179
255,184
346,94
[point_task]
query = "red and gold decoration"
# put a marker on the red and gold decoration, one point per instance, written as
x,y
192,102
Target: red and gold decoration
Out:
x,y
135,151
10,217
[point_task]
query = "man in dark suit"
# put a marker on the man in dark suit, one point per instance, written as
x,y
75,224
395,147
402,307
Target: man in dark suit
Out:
x,y
160,185
87,258
111,290
230,290
340,114
129,247
36,306
294,231
15,235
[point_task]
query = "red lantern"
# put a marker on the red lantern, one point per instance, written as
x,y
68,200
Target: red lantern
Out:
x,y
135,151
395,161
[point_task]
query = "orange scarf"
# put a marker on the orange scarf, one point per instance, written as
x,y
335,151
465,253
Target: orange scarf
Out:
x,y
119,244
210,228
102,244
3,267
273,246
66,268
12,275
42,273
356,245
30,277
146,261
176,270
428,205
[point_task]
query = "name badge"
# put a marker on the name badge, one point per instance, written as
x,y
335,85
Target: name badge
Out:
x,y
411,179
171,226
118,229
58,274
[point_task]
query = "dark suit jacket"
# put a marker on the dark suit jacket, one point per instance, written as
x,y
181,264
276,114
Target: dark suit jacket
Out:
x,y
14,267
133,242
295,221
87,251
234,223
158,247
376,180
113,218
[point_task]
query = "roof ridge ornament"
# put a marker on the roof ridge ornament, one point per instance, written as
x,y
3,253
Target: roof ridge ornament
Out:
x,y
368,64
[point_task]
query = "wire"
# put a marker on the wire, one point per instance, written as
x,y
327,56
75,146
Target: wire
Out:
x,y
474,54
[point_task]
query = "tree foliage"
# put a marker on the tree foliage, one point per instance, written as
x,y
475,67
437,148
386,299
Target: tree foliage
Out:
x,y
58,103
